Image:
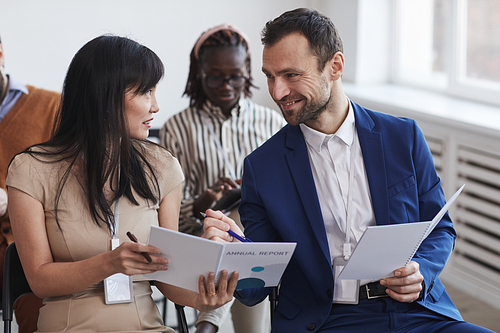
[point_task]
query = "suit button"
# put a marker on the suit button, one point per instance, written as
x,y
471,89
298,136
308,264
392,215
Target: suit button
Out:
x,y
311,327
329,293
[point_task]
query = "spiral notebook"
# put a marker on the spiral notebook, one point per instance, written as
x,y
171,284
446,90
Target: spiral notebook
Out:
x,y
383,249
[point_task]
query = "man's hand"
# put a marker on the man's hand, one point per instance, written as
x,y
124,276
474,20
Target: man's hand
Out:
x,y
216,226
406,284
3,202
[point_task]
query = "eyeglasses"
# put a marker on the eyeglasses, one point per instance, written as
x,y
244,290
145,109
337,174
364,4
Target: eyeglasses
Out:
x,y
216,81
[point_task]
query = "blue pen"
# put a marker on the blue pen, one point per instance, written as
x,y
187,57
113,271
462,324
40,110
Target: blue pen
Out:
x,y
232,233
238,237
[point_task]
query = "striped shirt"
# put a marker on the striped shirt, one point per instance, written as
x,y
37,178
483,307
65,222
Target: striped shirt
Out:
x,y
209,146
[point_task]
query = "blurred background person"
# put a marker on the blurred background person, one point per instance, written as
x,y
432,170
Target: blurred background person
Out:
x,y
212,137
26,118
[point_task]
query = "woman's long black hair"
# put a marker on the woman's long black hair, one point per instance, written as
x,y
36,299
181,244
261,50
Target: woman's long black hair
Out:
x,y
91,123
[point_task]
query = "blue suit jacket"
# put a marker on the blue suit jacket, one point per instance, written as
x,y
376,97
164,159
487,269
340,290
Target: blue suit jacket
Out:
x,y
280,203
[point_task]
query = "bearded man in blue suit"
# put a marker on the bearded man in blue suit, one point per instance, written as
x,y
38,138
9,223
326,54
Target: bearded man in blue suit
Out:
x,y
334,170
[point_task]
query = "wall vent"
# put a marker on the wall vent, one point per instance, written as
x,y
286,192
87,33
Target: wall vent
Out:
x,y
477,218
474,265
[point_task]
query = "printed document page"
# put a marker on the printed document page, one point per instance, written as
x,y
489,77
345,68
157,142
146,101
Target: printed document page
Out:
x,y
258,264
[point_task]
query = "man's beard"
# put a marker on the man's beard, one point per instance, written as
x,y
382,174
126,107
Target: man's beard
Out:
x,y
312,111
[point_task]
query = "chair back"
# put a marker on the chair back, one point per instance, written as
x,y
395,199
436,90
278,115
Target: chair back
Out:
x,y
14,284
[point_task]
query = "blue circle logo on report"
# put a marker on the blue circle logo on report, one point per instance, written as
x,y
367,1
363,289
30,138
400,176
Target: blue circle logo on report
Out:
x,y
250,283
257,269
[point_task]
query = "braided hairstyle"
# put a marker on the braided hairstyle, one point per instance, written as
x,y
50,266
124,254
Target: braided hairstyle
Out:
x,y
221,38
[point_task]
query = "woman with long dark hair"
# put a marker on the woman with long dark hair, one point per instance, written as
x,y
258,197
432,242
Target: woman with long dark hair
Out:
x,y
73,199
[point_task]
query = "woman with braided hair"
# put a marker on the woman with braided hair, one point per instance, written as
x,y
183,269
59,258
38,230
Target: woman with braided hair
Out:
x,y
212,137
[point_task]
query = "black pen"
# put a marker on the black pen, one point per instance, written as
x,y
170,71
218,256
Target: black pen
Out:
x,y
232,233
134,239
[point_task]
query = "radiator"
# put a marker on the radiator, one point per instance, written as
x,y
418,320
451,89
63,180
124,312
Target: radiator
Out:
x,y
465,158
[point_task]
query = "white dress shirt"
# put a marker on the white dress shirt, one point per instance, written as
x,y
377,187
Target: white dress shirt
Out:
x,y
330,157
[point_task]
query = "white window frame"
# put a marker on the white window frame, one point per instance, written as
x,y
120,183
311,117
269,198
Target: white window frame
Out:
x,y
456,83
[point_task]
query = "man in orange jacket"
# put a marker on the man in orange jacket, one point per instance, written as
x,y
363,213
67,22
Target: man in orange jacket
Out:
x,y
26,117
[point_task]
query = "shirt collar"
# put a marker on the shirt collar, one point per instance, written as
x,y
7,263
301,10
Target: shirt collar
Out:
x,y
16,86
316,139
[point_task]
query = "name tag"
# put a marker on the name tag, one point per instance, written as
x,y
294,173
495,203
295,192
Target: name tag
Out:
x,y
118,287
344,291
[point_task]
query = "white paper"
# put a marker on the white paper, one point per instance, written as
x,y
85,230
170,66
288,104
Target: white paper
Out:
x,y
383,249
258,264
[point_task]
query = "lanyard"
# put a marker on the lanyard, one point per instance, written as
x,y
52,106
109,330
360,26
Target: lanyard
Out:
x,y
346,247
114,227
221,150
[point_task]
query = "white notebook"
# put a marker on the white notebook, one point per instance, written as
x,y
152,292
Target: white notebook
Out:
x,y
258,264
383,249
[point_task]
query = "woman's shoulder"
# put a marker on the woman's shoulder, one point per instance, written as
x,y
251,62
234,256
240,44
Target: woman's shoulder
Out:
x,y
166,167
35,155
158,157
154,153
32,170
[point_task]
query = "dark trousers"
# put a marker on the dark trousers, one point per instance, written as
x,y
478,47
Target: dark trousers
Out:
x,y
387,315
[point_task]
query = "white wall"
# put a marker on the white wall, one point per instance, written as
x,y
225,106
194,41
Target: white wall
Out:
x,y
365,28
41,37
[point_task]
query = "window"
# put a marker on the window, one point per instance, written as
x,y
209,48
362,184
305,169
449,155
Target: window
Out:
x,y
450,46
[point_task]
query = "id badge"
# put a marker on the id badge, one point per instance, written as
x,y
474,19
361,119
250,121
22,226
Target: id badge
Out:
x,y
118,287
344,291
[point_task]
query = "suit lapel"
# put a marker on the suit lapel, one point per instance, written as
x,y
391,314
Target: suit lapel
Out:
x,y
300,168
373,156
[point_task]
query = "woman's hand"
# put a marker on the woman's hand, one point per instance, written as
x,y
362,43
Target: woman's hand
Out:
x,y
210,297
128,259
216,226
